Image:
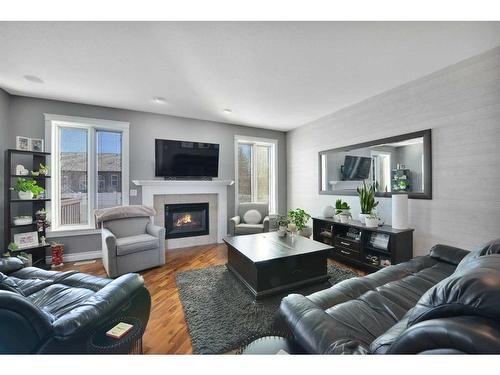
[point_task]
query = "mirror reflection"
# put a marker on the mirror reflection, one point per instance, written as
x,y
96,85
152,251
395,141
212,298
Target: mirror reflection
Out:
x,y
394,166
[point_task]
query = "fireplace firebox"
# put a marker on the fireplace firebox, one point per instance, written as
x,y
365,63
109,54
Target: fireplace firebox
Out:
x,y
186,220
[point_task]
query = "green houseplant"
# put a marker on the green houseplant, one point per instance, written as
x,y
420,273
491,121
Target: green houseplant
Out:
x,y
26,188
300,218
367,201
282,223
341,206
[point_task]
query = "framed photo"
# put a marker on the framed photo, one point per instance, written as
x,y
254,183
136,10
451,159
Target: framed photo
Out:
x,y
24,240
36,145
22,143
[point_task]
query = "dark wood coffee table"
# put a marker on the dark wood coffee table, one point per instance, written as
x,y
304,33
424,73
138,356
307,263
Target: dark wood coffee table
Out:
x,y
268,264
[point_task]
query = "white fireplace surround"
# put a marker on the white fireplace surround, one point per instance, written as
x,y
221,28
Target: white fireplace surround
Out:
x,y
150,188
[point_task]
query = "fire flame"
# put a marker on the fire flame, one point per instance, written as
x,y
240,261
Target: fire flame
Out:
x,y
186,219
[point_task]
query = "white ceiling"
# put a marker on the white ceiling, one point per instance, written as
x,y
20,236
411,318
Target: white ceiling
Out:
x,y
276,75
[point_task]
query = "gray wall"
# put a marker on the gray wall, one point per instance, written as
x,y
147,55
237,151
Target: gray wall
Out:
x,y
461,104
411,157
4,127
27,119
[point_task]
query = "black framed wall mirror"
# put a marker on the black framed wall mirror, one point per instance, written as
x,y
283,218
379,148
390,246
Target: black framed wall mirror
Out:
x,y
399,164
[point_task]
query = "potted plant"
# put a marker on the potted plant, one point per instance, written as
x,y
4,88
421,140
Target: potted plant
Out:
x,y
371,220
367,201
341,207
299,218
282,223
43,170
27,189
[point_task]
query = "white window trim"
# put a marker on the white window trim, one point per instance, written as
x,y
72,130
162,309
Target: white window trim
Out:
x,y
273,183
52,121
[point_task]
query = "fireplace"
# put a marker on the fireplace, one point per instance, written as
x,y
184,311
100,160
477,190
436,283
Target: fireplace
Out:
x,y
186,220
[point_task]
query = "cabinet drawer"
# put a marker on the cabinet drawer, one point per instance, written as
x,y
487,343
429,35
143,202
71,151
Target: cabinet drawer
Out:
x,y
346,253
347,244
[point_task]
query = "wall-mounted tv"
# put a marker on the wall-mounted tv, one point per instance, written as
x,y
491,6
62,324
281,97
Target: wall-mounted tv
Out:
x,y
186,159
356,168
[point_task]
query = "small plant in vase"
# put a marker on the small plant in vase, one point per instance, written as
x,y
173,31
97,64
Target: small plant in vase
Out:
x,y
298,222
372,220
343,211
27,189
367,201
282,224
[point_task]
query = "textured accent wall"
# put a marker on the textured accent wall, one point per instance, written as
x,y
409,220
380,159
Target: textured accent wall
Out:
x,y
461,104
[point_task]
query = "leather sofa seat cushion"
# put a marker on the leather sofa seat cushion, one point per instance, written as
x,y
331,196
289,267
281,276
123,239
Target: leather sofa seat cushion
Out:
x,y
472,290
134,244
31,279
249,228
491,247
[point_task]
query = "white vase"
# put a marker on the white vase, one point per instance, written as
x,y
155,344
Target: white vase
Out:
x,y
344,219
329,211
306,232
371,222
362,218
25,195
281,231
400,211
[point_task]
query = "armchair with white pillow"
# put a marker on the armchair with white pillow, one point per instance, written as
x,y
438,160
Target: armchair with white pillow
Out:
x,y
252,218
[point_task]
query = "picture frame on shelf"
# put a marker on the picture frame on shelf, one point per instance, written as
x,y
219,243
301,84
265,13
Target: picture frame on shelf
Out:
x,y
36,145
26,240
23,143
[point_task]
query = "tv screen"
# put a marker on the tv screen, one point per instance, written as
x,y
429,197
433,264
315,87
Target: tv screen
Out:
x,y
356,168
186,159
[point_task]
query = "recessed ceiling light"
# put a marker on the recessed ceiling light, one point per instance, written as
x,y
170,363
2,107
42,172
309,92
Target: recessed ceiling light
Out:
x,y
227,110
159,100
32,78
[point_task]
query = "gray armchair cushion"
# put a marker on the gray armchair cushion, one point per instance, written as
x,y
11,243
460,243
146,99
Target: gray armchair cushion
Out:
x,y
263,208
127,227
249,228
134,244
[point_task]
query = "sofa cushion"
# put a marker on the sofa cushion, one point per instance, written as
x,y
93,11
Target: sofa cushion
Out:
x,y
252,217
127,227
473,290
10,264
137,243
491,247
449,254
249,228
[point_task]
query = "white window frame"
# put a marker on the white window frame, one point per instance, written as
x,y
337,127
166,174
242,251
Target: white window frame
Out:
x,y
273,167
52,124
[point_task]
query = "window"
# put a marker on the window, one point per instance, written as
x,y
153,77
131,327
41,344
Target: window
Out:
x,y
83,152
256,171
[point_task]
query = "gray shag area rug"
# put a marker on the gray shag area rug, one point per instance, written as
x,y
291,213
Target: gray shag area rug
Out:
x,y
222,314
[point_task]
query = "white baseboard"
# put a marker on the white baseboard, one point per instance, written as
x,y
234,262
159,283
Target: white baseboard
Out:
x,y
78,256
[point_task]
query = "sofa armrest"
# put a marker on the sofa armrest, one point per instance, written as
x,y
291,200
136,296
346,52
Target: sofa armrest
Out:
x,y
156,230
461,334
22,324
99,307
266,224
233,222
10,264
448,254
108,240
314,329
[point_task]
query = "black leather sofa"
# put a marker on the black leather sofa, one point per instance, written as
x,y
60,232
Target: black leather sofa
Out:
x,y
446,302
57,312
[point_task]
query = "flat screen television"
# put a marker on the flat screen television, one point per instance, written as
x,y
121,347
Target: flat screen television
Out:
x,y
356,168
186,159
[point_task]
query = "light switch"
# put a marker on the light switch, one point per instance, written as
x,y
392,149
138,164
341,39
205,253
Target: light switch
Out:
x,y
133,192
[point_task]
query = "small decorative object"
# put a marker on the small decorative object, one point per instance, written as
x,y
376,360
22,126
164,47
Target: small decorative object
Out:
x,y
342,207
24,240
282,222
306,232
120,330
13,247
298,217
22,220
27,189
41,222
385,262
35,173
42,241
57,254
328,211
344,217
26,258
36,145
21,171
367,201
400,211
22,143
43,170
371,221
292,228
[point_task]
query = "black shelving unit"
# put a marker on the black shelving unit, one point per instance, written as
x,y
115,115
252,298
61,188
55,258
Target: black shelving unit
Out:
x,y
25,207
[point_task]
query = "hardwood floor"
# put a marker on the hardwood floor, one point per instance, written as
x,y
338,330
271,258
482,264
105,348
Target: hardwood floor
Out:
x,y
167,331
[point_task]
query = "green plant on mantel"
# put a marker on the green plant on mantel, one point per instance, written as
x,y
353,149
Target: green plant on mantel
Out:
x,y
26,185
299,217
366,195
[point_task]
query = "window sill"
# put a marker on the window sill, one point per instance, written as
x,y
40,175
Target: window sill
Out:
x,y
73,232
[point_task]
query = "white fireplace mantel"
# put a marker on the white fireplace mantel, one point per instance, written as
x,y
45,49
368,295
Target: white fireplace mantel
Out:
x,y
150,188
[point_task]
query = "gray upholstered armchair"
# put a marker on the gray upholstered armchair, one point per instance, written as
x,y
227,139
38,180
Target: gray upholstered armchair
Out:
x,y
130,242
248,221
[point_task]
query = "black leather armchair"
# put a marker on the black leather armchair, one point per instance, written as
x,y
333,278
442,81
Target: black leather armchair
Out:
x,y
446,302
56,312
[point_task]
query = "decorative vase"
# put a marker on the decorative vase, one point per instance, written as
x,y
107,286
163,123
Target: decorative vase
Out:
x,y
344,219
25,195
362,218
306,232
281,231
400,211
371,222
329,211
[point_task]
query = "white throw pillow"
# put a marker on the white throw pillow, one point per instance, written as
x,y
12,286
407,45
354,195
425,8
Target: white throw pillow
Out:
x,y
252,217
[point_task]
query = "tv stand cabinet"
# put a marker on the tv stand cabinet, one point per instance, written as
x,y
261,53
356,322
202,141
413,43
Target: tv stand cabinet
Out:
x,y
362,252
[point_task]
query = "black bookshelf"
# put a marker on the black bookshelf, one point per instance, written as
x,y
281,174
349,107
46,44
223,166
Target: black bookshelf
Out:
x,y
359,252
24,207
